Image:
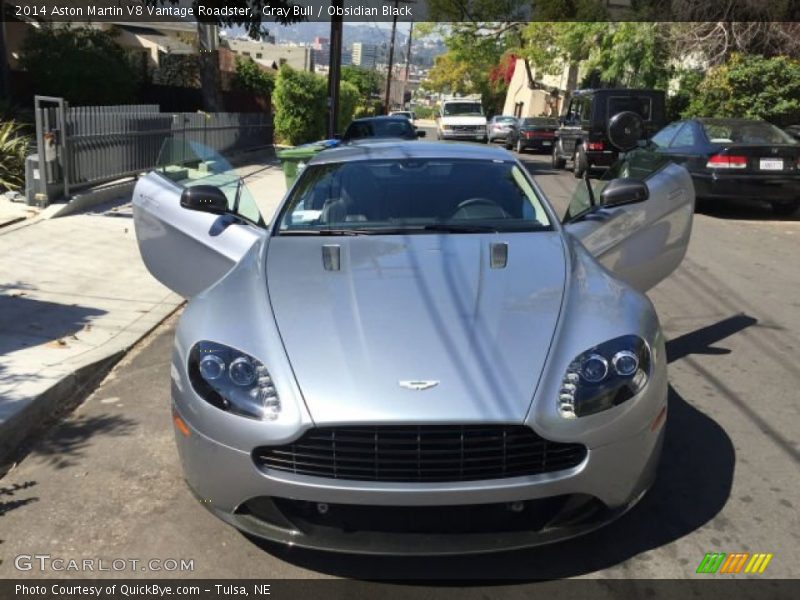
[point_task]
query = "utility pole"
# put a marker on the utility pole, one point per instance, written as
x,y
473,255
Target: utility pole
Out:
x,y
391,59
408,58
335,69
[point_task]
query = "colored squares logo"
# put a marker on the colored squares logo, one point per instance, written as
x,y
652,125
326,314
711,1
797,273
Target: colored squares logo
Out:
x,y
735,562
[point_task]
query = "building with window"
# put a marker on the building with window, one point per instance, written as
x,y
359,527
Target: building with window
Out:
x,y
365,55
273,55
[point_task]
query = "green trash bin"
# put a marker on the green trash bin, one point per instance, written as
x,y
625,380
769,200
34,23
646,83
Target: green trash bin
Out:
x,y
294,159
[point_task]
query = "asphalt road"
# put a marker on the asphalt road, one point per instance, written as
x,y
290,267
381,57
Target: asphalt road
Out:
x,y
106,483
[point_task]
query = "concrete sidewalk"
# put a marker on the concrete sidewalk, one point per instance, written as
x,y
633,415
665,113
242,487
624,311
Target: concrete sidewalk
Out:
x,y
74,297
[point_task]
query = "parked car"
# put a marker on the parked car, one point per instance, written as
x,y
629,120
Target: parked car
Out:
x,y
380,127
461,119
599,124
537,133
381,370
736,158
404,113
499,127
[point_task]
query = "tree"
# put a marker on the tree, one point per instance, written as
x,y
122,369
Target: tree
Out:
x,y
250,77
83,65
368,82
300,102
751,87
349,97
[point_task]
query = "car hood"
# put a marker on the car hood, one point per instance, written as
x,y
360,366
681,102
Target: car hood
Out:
x,y
417,308
477,120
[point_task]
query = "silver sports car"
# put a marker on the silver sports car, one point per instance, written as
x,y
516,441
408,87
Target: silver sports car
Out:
x,y
416,356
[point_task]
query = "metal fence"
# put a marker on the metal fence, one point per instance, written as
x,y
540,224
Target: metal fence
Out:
x,y
89,145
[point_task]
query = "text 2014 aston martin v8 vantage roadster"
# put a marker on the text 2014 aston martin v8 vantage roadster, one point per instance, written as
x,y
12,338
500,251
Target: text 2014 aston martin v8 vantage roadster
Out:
x,y
416,356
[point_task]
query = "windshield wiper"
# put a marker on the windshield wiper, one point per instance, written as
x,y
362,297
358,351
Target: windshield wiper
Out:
x,y
325,232
460,228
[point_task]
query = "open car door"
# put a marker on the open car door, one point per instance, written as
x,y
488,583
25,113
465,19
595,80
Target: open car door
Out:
x,y
190,250
640,239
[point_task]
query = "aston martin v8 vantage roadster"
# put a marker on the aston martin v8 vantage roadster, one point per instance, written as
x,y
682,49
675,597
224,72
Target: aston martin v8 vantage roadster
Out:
x,y
415,355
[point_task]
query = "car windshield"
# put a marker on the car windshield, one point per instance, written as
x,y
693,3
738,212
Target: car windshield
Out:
x,y
413,196
463,108
721,131
539,122
188,163
383,128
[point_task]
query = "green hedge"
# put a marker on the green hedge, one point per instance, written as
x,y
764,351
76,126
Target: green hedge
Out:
x,y
300,100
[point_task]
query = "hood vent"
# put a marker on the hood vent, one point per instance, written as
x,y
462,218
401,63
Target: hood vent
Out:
x,y
331,257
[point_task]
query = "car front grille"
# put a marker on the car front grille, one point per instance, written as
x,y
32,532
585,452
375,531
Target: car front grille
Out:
x,y
467,128
424,453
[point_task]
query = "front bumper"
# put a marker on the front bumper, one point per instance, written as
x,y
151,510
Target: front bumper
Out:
x,y
284,508
463,135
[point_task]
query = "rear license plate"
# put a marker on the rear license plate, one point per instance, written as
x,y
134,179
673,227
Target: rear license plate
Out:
x,y
771,164
547,143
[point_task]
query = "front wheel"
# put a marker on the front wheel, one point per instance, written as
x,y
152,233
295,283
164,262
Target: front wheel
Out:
x,y
580,164
785,209
558,162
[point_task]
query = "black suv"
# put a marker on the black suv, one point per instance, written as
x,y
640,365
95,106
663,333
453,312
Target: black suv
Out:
x,y
599,124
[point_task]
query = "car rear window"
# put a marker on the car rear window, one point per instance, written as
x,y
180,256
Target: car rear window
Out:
x,y
393,128
745,132
540,122
641,105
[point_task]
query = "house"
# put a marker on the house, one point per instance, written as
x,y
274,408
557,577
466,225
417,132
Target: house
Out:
x,y
532,94
273,55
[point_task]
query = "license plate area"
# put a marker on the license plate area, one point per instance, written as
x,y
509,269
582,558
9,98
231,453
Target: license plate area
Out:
x,y
771,164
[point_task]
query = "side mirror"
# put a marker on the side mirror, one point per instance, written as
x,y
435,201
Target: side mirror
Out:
x,y
619,192
205,198
421,133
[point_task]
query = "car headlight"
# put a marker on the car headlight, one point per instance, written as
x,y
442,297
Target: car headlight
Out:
x,y
233,381
604,376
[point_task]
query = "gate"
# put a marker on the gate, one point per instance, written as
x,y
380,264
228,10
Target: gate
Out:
x,y
84,146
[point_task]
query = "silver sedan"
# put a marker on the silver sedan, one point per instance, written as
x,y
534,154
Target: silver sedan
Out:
x,y
416,356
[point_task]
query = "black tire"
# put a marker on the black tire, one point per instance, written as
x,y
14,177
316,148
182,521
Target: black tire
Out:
x,y
519,147
558,161
580,163
785,209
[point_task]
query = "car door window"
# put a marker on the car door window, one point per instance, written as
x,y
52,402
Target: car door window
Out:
x,y
685,137
586,109
664,137
639,164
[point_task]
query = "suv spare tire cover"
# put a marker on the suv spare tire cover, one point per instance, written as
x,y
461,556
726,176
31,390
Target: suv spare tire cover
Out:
x,y
625,129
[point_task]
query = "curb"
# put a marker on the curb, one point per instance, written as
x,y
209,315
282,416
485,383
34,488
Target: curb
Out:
x,y
20,430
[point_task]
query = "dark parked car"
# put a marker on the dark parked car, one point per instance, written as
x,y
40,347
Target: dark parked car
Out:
x,y
599,124
500,127
381,127
537,133
736,158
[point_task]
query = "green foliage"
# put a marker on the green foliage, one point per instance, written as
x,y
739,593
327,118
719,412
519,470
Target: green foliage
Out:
x,y
181,70
82,65
250,77
367,81
632,54
686,88
349,97
14,147
300,100
750,87
425,112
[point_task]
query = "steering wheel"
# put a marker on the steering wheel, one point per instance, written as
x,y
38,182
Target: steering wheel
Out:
x,y
479,208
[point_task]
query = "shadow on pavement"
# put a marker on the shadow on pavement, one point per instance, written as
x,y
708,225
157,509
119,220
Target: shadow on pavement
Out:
x,y
693,485
68,442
